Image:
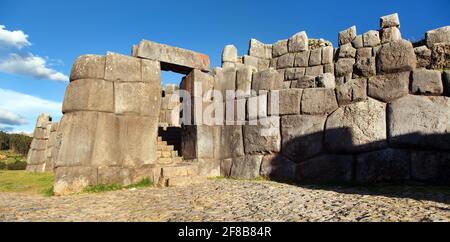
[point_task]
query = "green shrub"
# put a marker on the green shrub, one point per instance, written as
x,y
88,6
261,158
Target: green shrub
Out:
x,y
2,165
17,166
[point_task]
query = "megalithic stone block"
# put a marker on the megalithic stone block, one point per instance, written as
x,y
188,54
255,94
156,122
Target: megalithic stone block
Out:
x,y
173,58
88,67
89,95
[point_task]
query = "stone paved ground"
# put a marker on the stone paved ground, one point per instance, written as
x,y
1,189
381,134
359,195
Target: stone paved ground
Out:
x,y
228,200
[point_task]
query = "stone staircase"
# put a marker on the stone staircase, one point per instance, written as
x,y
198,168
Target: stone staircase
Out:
x,y
175,172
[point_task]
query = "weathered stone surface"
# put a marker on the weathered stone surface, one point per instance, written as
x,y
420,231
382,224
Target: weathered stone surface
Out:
x,y
302,136
277,168
263,138
226,79
71,180
344,66
383,166
396,56
347,36
347,51
352,91
298,42
198,142
391,20
244,77
88,67
137,98
43,120
327,55
208,167
440,56
251,61
294,73
36,157
263,64
304,82
231,142
173,58
151,72
440,35
328,68
371,38
280,48
357,127
315,57
267,80
257,106
419,121
302,59
389,87
260,50
89,95
317,101
430,166
427,82
326,169
364,52
358,42
326,80
286,61
390,34
122,68
423,55
290,101
229,54
114,175
225,167
314,70
365,67
247,167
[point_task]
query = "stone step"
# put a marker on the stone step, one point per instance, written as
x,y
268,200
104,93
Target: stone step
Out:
x,y
169,148
160,139
182,169
183,181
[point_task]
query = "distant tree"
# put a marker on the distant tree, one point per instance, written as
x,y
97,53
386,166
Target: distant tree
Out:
x,y
20,143
4,141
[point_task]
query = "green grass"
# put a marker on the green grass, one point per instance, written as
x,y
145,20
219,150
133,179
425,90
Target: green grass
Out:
x,y
24,182
12,161
115,187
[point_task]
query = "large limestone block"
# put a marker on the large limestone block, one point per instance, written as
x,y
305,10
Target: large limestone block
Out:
x,y
38,144
396,56
391,20
138,140
419,121
346,51
286,61
298,42
357,127
289,101
347,36
122,68
277,168
314,70
428,82
371,38
302,59
88,67
151,71
88,138
198,142
430,166
40,133
89,95
294,73
173,58
260,50
69,180
231,142
244,76
197,80
440,56
114,175
36,157
229,54
390,34
302,136
327,55
315,57
267,80
137,98
383,166
440,35
423,55
326,169
317,101
358,42
352,91
389,87
280,48
247,167
304,82
43,120
344,66
263,138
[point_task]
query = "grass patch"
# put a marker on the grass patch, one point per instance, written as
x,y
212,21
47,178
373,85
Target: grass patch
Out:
x,y
115,187
12,161
24,182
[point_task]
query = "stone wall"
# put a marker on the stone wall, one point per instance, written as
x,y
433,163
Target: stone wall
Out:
x,y
44,147
376,109
169,115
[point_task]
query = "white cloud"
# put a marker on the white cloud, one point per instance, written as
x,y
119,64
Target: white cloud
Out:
x,y
28,107
9,118
30,65
16,39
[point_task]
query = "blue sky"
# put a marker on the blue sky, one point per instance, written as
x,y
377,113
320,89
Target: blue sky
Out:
x,y
41,39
